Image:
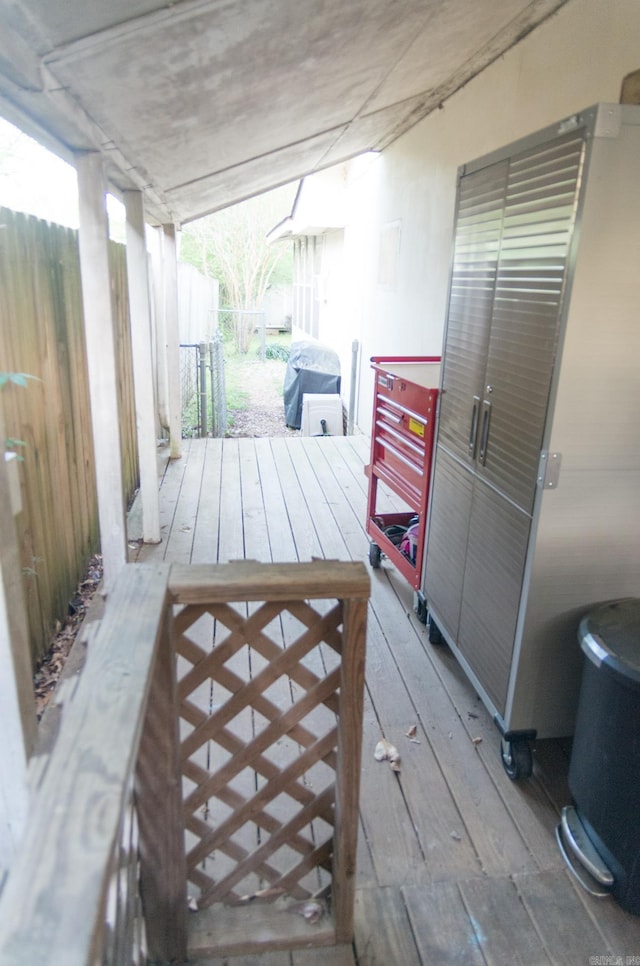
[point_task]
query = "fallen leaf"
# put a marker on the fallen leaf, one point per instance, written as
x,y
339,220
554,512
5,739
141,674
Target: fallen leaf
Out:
x,y
412,732
476,741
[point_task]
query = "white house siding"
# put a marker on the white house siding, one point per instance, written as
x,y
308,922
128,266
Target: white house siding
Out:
x,y
332,225
397,241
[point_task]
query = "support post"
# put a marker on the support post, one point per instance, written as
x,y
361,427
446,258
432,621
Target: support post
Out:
x,y
140,311
101,362
172,336
157,279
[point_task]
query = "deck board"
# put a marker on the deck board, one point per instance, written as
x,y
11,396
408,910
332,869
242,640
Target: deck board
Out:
x,y
382,929
568,931
498,843
436,820
441,926
456,863
504,930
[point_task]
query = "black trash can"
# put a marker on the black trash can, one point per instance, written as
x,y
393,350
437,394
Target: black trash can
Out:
x,y
313,368
604,773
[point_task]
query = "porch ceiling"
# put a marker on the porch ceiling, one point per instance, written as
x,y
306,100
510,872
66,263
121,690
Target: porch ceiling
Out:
x,y
205,102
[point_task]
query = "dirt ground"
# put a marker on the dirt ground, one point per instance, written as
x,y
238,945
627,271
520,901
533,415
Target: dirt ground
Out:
x,y
50,668
264,413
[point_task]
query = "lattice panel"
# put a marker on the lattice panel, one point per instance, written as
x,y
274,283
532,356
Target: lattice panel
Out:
x,y
124,941
258,689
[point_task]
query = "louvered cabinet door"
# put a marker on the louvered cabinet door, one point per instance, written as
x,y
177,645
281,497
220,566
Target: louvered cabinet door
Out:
x,y
539,214
448,535
478,228
494,568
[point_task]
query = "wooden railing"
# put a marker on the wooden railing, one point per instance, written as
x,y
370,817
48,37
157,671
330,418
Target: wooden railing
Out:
x,y
208,761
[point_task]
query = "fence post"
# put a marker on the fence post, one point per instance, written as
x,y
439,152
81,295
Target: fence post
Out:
x,y
219,401
202,383
213,389
355,348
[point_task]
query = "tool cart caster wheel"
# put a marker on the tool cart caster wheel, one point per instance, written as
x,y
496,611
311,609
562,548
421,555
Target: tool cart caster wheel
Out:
x,y
516,758
420,607
375,555
434,633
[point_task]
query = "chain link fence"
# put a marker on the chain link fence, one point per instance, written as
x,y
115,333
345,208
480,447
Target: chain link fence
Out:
x,y
202,388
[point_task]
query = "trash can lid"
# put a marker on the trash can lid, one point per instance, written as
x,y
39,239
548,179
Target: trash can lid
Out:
x,y
610,635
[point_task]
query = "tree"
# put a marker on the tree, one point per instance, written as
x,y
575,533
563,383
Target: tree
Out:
x,y
231,245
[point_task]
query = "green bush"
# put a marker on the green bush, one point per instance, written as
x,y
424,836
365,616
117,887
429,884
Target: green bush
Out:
x,y
276,350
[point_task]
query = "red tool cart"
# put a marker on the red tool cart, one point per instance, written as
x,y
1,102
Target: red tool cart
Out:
x,y
404,412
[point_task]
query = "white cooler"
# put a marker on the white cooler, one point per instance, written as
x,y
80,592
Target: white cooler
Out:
x,y
319,408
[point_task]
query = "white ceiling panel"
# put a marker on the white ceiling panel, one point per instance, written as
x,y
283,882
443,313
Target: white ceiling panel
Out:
x,y
203,102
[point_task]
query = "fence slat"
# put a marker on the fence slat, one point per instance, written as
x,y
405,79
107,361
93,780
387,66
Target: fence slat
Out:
x,y
41,333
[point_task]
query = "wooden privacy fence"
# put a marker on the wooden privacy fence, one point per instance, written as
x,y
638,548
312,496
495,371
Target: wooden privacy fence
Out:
x,y
209,760
42,334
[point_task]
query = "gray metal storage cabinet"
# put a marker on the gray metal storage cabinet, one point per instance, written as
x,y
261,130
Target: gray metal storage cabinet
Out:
x,y
535,511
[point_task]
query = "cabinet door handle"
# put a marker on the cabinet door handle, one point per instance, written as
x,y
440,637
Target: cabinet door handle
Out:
x,y
484,435
473,429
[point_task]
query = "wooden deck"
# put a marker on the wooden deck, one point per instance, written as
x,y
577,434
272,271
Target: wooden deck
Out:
x,y
456,863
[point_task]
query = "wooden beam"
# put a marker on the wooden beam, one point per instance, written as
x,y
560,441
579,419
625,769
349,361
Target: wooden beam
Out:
x,y
16,685
249,580
101,362
172,336
253,929
140,311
